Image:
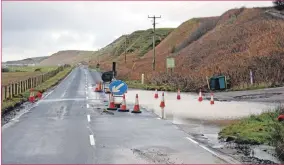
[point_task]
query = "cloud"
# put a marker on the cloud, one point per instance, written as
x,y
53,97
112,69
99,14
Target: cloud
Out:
x,y
31,29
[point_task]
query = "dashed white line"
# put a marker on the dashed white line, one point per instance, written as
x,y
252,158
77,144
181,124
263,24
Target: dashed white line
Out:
x,y
88,118
158,118
88,106
92,140
87,98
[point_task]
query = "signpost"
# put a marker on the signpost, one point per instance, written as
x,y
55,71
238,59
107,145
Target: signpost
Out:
x,y
170,64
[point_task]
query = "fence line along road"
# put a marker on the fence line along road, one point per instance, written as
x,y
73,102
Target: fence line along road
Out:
x,y
15,88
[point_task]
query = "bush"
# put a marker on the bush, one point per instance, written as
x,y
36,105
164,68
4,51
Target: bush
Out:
x,y
38,70
5,70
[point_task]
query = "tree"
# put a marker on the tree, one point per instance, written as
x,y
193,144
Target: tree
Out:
x,y
279,4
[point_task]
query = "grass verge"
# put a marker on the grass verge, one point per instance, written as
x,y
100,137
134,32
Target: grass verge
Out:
x,y
11,103
258,129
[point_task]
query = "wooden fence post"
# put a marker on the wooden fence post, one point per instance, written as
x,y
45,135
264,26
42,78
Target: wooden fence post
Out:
x,y
10,91
15,89
3,93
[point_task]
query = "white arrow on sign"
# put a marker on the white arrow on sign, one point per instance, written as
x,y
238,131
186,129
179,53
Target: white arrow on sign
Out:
x,y
116,88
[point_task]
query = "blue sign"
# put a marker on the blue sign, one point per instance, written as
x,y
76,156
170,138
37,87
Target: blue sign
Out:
x,y
118,87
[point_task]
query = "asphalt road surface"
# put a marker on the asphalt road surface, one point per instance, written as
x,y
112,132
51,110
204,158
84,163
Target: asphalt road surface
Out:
x,y
69,126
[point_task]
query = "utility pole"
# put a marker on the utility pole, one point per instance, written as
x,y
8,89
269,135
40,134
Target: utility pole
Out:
x,y
154,28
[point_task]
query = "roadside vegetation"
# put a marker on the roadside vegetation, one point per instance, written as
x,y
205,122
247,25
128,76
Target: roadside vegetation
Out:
x,y
13,74
23,97
258,129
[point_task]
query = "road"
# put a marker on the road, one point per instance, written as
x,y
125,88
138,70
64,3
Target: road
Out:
x,y
68,126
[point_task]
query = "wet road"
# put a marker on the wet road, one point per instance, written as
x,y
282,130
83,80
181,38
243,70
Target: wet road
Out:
x,y
68,126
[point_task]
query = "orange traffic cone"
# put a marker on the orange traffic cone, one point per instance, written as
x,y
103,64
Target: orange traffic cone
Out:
x,y
97,88
123,105
212,99
156,94
136,108
162,104
200,96
100,86
178,95
39,94
111,103
32,97
280,118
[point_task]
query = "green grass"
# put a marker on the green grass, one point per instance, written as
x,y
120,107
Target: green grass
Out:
x,y
42,87
139,41
31,68
255,129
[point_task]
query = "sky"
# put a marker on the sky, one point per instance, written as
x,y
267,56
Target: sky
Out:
x,y
33,29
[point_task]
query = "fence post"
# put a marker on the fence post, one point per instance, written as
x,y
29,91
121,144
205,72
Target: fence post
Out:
x,y
10,91
16,88
13,90
26,84
3,93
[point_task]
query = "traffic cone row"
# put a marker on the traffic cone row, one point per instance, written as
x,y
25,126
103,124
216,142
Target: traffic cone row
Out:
x,y
32,96
123,107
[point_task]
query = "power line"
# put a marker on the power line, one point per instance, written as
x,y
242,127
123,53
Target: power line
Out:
x,y
154,30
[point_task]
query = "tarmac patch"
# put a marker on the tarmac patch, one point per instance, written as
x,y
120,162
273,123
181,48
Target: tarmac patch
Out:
x,y
154,155
257,96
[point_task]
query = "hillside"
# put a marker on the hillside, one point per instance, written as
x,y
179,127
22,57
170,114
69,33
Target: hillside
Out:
x,y
136,45
35,60
67,57
238,40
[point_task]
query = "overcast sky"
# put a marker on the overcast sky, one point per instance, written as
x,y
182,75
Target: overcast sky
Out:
x,y
32,29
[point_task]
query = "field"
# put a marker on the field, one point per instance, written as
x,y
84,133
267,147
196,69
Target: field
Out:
x,y
11,103
21,73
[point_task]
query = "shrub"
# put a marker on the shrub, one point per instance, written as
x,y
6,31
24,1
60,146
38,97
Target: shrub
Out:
x,y
37,69
5,70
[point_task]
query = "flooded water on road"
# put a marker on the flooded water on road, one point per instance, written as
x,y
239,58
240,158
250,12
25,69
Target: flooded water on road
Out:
x,y
190,107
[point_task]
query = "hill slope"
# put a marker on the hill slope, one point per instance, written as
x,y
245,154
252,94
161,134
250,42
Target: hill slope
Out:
x,y
67,57
238,40
34,60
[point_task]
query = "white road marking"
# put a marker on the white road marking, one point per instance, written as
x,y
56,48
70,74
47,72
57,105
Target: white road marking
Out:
x,y
192,140
88,106
158,118
87,98
92,140
88,118
212,152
